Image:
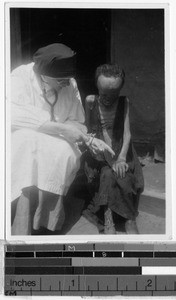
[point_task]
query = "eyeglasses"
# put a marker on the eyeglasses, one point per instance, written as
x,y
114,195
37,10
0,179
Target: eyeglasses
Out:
x,y
61,79
47,78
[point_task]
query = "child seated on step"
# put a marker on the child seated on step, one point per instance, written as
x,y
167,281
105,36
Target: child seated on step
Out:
x,y
116,182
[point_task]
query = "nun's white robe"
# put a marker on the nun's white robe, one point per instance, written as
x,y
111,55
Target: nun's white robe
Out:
x,y
37,159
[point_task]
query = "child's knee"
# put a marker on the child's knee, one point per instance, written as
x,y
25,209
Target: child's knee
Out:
x,y
126,183
106,172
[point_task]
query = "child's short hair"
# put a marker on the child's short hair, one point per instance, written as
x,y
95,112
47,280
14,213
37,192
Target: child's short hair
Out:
x,y
110,70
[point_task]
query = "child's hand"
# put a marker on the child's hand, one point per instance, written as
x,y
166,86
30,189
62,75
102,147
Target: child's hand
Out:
x,y
120,167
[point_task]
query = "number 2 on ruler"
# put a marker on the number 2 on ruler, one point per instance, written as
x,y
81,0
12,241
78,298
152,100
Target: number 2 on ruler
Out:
x,y
149,283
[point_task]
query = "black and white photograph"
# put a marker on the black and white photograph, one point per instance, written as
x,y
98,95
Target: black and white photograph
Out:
x,y
86,116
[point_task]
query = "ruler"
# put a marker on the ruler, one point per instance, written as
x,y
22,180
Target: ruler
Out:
x,y
96,269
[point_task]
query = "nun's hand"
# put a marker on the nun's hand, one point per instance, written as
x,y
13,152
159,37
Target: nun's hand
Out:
x,y
98,146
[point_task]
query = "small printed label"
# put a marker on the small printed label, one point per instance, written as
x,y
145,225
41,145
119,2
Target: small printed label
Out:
x,y
22,283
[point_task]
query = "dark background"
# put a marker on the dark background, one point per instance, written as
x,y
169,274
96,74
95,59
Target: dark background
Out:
x,y
133,38
86,31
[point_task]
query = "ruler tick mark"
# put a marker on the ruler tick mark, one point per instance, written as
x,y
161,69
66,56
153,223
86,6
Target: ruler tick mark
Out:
x,y
40,283
78,282
155,283
117,284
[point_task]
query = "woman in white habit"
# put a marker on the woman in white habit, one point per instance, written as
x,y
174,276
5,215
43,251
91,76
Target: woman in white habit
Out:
x,y
47,119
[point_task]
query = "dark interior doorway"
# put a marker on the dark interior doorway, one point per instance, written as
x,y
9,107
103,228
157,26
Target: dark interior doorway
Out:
x,y
87,31
133,38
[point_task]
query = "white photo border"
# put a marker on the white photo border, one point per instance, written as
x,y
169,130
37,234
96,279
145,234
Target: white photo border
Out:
x,y
170,126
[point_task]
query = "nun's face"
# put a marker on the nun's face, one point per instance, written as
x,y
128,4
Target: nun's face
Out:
x,y
56,83
109,89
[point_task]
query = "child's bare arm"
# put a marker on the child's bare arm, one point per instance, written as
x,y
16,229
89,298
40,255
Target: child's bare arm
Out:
x,y
96,145
89,105
127,133
120,166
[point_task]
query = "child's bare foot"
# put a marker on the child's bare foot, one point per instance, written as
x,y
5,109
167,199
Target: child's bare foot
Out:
x,y
109,227
131,227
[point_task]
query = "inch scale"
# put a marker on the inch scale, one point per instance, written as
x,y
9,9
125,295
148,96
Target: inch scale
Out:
x,y
90,285
90,269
